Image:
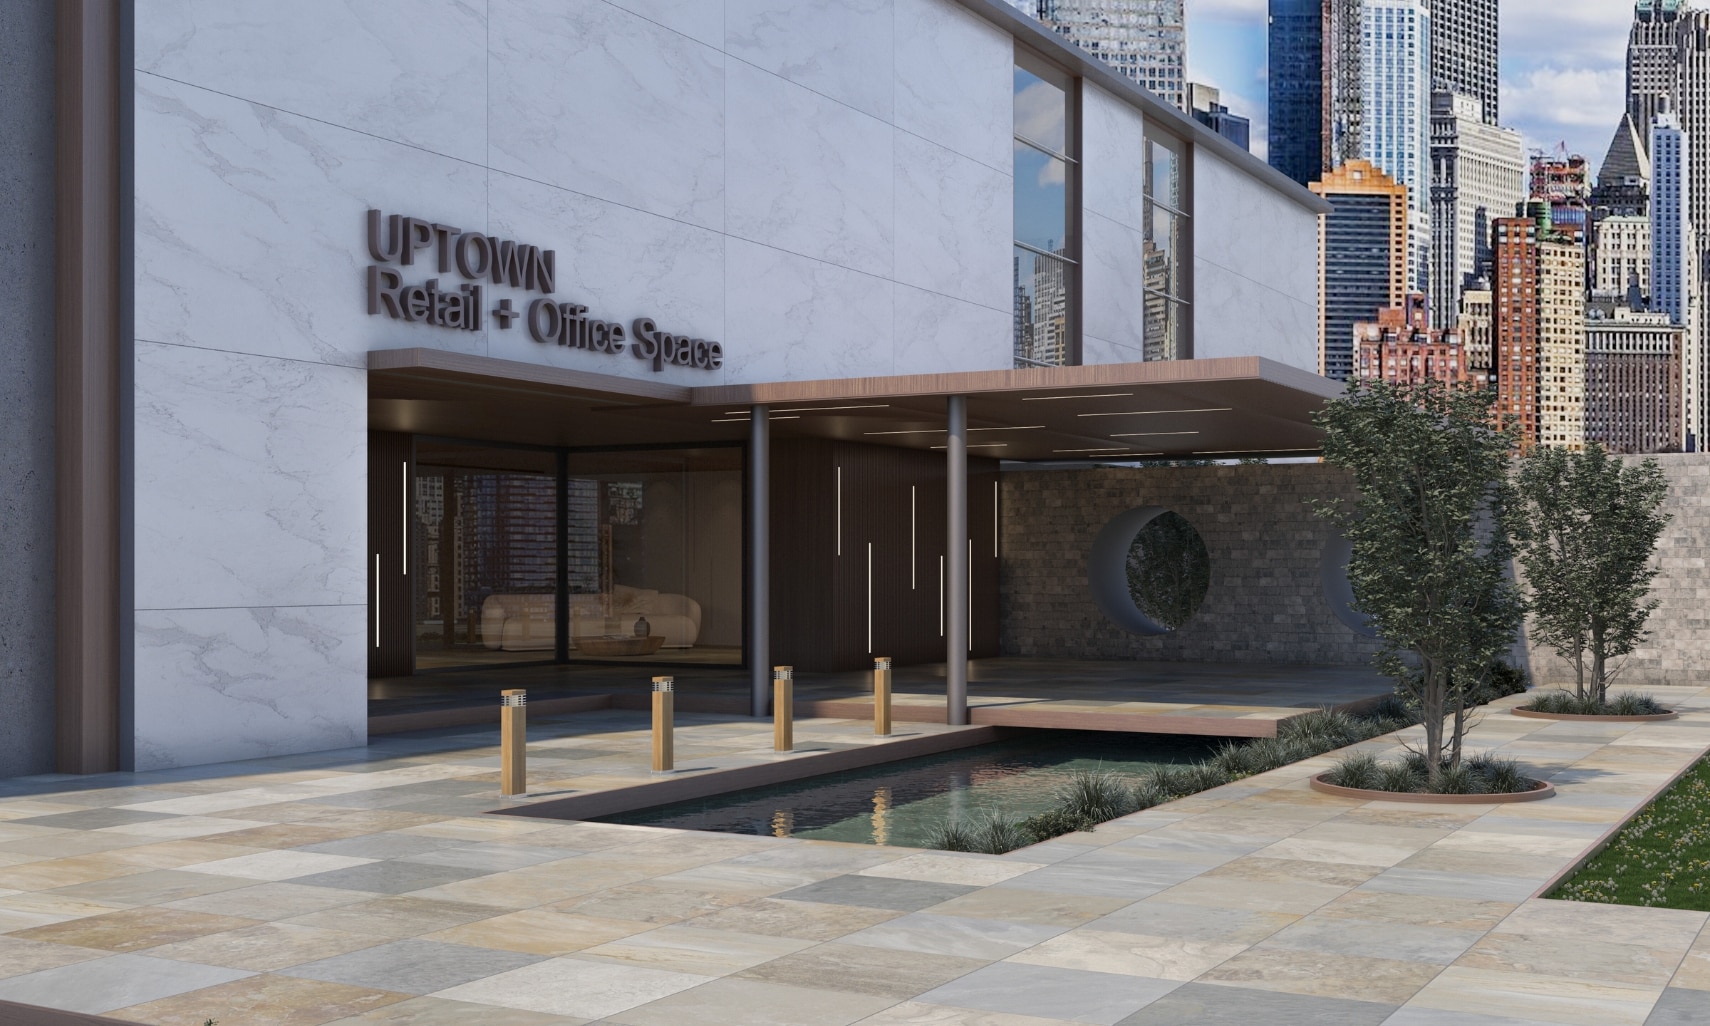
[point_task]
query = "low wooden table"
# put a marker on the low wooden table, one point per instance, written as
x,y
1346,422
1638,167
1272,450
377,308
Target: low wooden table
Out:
x,y
619,645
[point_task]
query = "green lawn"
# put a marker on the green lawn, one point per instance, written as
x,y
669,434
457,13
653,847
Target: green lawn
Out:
x,y
1661,858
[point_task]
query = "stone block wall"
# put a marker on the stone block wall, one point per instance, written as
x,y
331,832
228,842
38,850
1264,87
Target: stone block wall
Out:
x,y
1266,602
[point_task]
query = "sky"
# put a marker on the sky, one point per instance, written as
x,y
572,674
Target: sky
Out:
x,y
1563,66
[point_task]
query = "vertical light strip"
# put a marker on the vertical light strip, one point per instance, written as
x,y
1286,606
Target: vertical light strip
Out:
x,y
377,600
941,596
913,542
994,522
840,511
406,518
869,598
970,594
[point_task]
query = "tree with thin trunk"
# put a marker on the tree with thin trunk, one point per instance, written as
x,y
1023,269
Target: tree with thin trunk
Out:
x,y
1587,525
1430,542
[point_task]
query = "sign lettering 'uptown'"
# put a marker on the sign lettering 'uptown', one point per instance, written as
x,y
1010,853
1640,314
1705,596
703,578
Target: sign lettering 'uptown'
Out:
x,y
398,242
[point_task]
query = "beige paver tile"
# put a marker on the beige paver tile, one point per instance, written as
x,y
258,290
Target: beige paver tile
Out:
x,y
977,871
738,1002
1418,910
1455,860
803,920
650,903
1018,905
18,957
1694,972
285,835
433,1011
134,929
1132,954
1538,998
1586,956
702,952
574,987
917,1013
397,916
278,865
272,901
1625,924
1255,895
274,1000
539,932
1324,974
267,947
857,969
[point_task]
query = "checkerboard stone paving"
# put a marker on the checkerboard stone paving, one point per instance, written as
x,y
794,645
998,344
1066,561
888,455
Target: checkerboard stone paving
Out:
x,y
370,887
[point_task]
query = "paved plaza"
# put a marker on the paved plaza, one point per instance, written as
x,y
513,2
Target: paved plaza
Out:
x,y
372,887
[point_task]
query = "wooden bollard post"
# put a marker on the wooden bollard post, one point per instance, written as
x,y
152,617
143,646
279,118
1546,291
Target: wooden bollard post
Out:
x,y
513,742
882,696
663,707
783,709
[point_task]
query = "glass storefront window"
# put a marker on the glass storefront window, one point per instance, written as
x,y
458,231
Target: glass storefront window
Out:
x,y
1045,249
651,549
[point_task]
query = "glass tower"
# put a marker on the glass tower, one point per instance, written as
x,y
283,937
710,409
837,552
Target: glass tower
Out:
x,y
1464,45
1395,76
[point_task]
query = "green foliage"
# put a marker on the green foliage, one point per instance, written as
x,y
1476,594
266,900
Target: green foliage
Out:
x,y
950,836
1481,774
1586,525
1429,538
1660,858
1562,703
1096,796
1359,770
1168,570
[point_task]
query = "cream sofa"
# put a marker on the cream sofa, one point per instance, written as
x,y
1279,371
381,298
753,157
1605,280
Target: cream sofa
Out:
x,y
523,623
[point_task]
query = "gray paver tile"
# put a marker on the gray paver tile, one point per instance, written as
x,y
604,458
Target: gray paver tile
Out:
x,y
1437,1017
575,987
381,846
737,1002
116,982
962,936
395,877
1203,1004
877,892
1679,1007
412,966
1478,886
95,819
1050,992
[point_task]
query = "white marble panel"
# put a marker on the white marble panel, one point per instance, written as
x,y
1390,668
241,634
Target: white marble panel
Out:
x,y
965,103
1113,158
590,97
215,685
815,175
1236,316
838,48
621,263
701,20
936,334
954,220
1113,286
1253,230
250,480
1098,350
251,233
414,71
790,318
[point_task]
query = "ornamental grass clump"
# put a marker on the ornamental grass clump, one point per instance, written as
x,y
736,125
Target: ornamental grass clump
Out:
x,y
1561,703
1480,774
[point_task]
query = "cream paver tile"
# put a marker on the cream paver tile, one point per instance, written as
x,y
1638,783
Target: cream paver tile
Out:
x,y
985,939
1324,974
433,1011
575,987
1419,910
803,920
977,870
134,929
1587,956
275,866
1694,972
154,887
18,957
920,1013
649,903
1452,860
739,1002
274,1000
1541,998
1132,954
267,947
1042,908
1663,927
752,881
1255,895
863,970
701,952
539,932
47,875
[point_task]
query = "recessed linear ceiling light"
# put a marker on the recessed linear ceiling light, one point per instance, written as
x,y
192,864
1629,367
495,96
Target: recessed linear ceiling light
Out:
x,y
1094,395
1244,452
812,409
1148,434
745,420
978,445
940,431
1147,413
1119,448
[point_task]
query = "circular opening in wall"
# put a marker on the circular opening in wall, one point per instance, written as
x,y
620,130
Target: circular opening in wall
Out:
x,y
1149,570
1338,590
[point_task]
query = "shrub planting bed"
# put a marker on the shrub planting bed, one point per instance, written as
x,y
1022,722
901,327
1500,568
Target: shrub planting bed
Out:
x,y
1660,858
1562,703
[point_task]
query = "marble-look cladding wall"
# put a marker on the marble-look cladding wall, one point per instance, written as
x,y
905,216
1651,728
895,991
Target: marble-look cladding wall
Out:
x,y
1266,601
1255,269
26,388
810,182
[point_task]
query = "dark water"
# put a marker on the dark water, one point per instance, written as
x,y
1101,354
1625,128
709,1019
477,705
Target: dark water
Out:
x,y
902,803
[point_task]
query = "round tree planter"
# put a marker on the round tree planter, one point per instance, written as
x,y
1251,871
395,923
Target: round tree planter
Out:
x,y
1542,791
1533,714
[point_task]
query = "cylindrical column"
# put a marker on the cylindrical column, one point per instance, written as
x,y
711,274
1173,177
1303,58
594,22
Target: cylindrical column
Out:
x,y
882,696
513,742
956,564
759,555
783,709
663,707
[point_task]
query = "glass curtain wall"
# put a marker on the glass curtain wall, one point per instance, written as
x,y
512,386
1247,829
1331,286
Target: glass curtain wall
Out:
x,y
651,552
1166,227
1046,194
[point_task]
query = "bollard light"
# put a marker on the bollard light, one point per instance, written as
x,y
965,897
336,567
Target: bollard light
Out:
x,y
882,696
663,706
783,708
513,742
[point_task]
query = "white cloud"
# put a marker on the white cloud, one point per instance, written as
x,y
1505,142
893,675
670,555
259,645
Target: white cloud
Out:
x,y
1228,9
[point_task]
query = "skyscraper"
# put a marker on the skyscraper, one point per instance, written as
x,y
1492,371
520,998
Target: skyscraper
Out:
x,y
1632,379
1672,259
1464,47
1314,80
1145,40
1207,107
1477,175
1539,329
1652,60
1394,113
1362,258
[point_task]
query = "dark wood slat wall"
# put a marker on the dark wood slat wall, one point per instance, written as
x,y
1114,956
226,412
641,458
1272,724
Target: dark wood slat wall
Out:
x,y
821,596
394,655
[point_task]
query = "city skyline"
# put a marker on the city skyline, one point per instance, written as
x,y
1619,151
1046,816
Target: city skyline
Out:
x,y
1562,72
